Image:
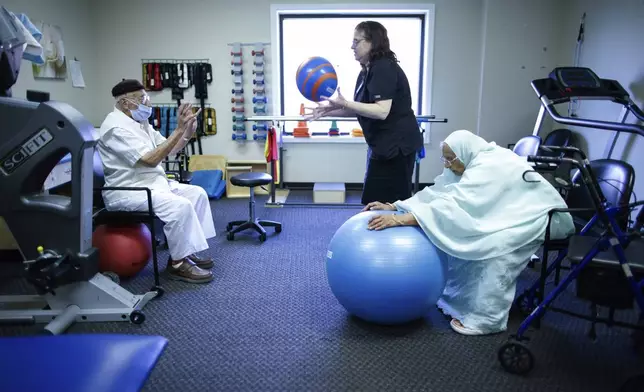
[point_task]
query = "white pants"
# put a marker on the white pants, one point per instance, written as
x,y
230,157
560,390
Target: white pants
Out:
x,y
185,210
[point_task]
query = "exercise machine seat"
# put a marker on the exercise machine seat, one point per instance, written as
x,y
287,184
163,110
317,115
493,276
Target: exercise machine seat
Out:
x,y
561,137
528,145
251,179
78,363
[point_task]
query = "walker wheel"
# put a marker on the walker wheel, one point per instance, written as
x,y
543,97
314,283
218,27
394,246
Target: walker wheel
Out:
x,y
522,303
516,358
262,237
230,236
278,228
137,317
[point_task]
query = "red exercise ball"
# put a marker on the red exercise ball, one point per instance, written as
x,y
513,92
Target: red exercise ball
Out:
x,y
124,250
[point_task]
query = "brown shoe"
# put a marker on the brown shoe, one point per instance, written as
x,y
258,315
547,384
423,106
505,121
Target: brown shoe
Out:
x,y
201,262
187,271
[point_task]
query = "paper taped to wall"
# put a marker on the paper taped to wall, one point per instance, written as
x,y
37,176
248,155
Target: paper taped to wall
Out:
x,y
77,74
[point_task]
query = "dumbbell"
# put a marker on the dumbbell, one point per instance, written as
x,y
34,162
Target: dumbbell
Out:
x,y
260,99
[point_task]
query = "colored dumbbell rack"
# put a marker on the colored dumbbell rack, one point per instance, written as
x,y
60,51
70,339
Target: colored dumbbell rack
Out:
x,y
237,100
260,100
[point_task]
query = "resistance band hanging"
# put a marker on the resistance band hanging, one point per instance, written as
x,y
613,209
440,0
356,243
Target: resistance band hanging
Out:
x,y
574,104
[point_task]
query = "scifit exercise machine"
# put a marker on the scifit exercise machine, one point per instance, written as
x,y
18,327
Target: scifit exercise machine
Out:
x,y
279,122
608,269
53,232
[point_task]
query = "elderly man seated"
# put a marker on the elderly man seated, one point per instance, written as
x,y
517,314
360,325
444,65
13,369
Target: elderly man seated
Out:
x,y
132,153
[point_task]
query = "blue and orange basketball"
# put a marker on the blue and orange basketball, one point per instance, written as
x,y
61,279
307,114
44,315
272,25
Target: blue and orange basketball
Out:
x,y
316,78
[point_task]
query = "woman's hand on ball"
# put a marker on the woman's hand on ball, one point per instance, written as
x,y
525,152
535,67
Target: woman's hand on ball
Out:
x,y
378,206
380,222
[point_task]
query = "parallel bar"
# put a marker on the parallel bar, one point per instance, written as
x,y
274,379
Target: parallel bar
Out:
x,y
422,119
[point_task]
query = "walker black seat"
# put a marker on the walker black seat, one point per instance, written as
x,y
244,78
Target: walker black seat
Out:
x,y
579,247
251,179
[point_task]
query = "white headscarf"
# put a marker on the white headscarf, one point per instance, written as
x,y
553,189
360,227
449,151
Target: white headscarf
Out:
x,y
467,145
490,210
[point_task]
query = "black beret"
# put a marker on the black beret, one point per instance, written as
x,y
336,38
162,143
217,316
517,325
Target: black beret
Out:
x,y
126,86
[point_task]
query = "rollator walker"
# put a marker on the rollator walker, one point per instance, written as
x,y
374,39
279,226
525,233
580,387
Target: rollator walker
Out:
x,y
606,257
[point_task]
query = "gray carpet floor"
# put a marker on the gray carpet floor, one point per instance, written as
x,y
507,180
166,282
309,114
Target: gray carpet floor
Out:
x,y
268,322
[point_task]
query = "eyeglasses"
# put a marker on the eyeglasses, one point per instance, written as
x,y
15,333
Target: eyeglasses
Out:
x,y
448,162
140,100
356,42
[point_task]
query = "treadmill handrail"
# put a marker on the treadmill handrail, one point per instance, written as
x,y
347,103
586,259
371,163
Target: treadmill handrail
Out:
x,y
613,126
637,112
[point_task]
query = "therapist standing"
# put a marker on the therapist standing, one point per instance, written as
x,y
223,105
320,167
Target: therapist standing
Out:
x,y
382,103
132,153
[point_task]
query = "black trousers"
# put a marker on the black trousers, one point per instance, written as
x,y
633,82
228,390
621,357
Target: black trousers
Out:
x,y
389,180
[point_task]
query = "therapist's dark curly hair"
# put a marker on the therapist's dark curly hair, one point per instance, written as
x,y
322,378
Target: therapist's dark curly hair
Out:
x,y
376,34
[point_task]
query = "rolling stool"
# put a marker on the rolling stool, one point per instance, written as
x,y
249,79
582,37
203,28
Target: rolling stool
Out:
x,y
251,180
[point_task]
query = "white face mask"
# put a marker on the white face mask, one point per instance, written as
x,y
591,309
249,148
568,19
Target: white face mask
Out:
x,y
142,113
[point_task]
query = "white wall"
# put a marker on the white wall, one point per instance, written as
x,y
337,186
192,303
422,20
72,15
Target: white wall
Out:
x,y
151,31
75,18
521,43
613,49
485,54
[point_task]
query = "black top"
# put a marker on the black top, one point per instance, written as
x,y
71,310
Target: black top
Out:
x,y
399,132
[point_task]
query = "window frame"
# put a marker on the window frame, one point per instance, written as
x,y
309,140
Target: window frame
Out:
x,y
280,12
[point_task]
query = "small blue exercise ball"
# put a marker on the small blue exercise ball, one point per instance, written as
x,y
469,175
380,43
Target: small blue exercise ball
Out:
x,y
316,78
391,276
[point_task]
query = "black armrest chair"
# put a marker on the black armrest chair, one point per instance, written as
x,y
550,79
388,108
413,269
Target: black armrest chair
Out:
x,y
616,180
580,206
103,216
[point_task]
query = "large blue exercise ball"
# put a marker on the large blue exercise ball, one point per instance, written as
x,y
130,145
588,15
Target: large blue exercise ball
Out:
x,y
391,276
316,78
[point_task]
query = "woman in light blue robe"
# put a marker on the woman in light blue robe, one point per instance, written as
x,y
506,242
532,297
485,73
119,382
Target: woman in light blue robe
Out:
x,y
488,221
